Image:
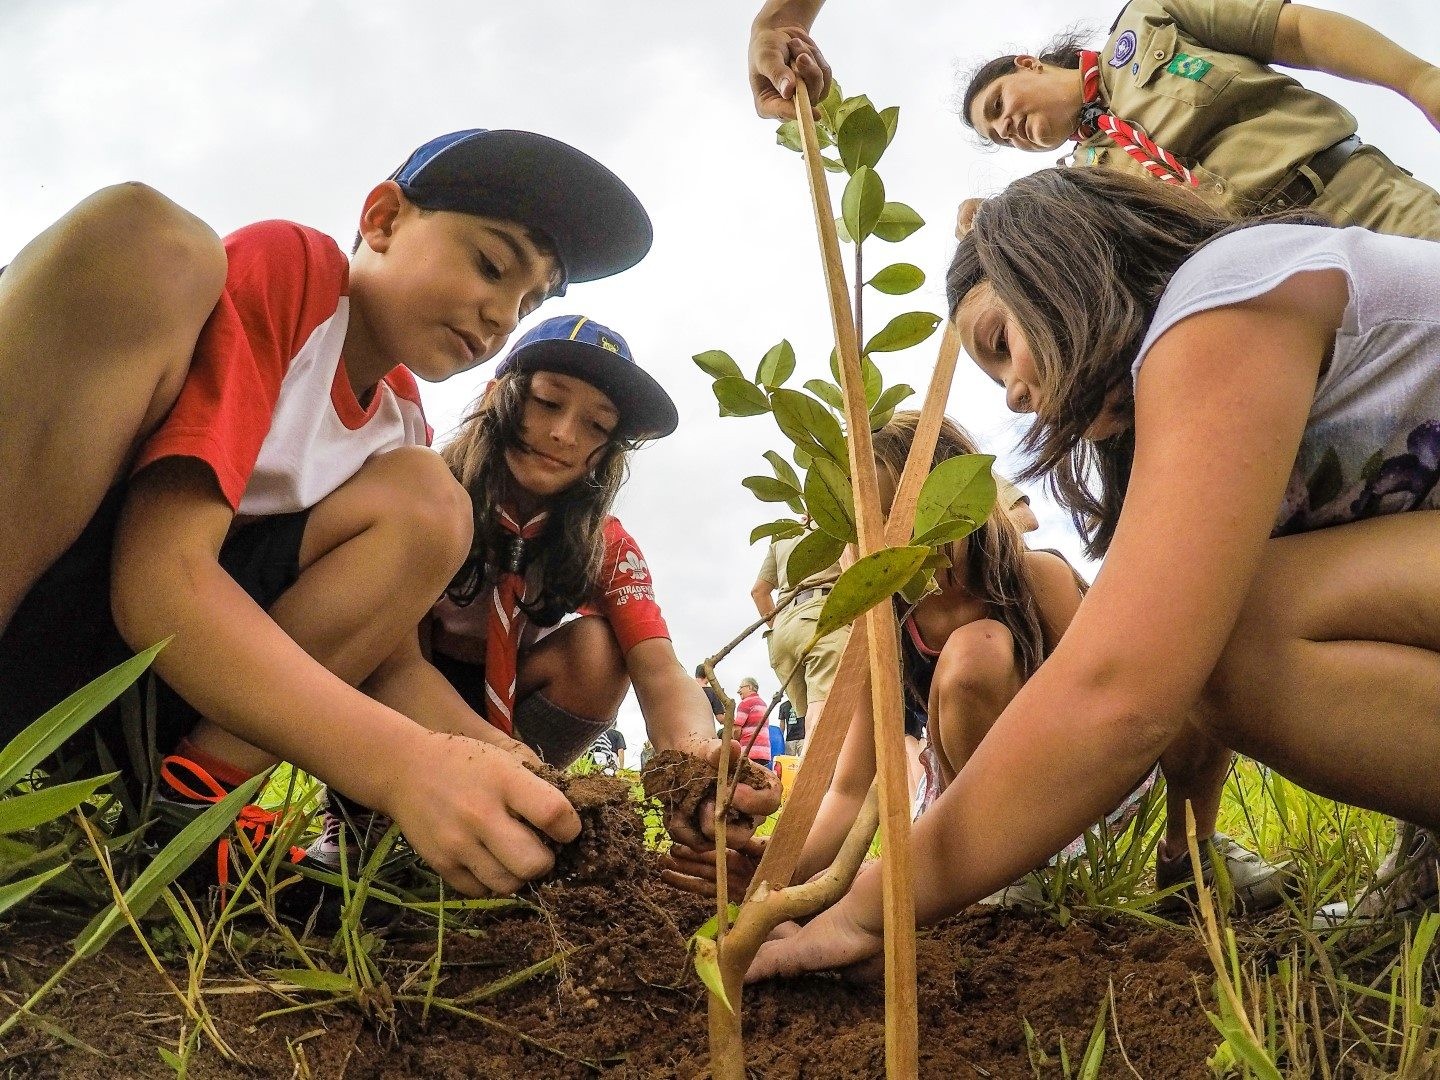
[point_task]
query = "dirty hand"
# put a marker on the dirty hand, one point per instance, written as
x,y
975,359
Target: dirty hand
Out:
x,y
476,814
965,217
778,55
835,938
694,870
697,831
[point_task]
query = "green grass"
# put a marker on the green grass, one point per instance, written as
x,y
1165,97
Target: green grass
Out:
x,y
1285,1001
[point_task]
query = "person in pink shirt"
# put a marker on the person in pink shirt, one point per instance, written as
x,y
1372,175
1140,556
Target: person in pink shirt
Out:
x,y
750,721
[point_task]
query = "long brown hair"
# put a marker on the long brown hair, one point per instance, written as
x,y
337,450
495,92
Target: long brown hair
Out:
x,y
990,562
571,550
1081,258
1062,51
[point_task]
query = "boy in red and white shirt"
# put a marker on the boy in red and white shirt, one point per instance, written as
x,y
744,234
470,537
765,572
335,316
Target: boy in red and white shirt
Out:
x,y
255,479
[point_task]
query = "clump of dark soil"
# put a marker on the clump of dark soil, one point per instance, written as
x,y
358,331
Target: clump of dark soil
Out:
x,y
624,1001
683,784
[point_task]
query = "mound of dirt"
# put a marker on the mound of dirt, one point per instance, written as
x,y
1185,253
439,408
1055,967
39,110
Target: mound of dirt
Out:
x,y
683,784
619,998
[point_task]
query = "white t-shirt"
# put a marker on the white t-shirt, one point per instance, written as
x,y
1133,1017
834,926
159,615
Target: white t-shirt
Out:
x,y
1372,442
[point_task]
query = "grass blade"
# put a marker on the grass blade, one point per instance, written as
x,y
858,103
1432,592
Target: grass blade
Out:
x,y
172,861
37,807
46,735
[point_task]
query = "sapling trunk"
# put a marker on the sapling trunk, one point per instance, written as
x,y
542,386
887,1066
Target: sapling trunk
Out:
x,y
765,910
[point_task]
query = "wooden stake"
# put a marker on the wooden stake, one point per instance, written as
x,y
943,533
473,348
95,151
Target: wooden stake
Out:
x,y
850,689
901,1025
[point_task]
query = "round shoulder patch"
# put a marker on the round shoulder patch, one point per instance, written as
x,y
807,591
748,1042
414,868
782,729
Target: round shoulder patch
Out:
x,y
1124,49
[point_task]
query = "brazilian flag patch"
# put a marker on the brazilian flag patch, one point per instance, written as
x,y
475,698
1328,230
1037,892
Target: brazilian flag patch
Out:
x,y
1189,67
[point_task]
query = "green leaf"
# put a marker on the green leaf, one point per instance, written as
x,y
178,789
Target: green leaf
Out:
x,y
959,487
740,397
707,966
849,105
873,381
783,472
842,231
829,106
37,807
718,364
918,586
768,489
830,501
891,119
897,279
879,419
788,136
818,551
1095,1049
712,924
17,891
890,399
330,982
783,529
809,425
861,138
897,221
42,738
904,331
827,392
831,165
861,203
173,859
870,581
947,532
803,458
776,366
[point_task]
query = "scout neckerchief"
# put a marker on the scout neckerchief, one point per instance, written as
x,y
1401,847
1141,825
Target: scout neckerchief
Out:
x,y
1153,158
502,634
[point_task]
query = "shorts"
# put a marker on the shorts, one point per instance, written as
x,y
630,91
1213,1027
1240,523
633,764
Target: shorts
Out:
x,y
557,735
63,635
812,677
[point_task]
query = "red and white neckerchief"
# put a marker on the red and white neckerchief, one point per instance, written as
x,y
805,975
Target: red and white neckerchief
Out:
x,y
1153,158
502,635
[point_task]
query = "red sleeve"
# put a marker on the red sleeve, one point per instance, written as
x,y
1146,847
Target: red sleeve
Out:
x,y
283,282
628,602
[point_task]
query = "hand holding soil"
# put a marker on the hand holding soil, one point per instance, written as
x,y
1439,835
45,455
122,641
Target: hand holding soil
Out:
x,y
684,785
478,816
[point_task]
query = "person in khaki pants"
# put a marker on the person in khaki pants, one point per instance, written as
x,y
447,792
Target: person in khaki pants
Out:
x,y
805,677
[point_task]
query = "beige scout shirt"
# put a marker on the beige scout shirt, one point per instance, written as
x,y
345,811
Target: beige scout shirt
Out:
x,y
773,568
1193,75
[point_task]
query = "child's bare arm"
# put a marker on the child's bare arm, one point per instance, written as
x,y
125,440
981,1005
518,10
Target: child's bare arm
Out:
x,y
410,684
1057,596
453,797
1118,687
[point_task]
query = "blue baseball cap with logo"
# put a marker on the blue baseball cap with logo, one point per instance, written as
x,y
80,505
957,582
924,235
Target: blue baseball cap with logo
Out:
x,y
597,224
578,346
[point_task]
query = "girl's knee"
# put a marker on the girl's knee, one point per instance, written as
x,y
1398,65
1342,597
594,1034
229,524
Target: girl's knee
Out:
x,y
978,660
595,653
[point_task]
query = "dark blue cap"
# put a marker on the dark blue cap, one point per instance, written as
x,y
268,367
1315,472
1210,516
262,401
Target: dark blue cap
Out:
x,y
578,346
596,223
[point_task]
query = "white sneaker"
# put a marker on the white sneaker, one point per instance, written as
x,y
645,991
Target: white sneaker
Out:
x,y
1407,884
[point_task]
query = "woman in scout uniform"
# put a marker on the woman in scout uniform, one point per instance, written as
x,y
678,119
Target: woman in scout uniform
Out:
x,y
1183,90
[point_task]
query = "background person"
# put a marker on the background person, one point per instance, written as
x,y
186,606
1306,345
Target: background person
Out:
x,y
805,675
1183,90
750,722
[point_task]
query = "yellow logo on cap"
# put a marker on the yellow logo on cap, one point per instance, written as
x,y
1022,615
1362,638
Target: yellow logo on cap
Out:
x,y
608,345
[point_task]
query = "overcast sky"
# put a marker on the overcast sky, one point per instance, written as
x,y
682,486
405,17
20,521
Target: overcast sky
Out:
x,y
294,110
